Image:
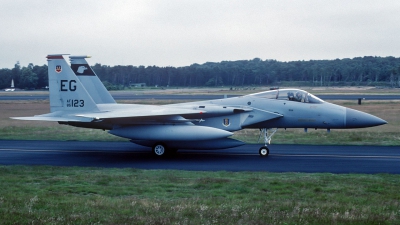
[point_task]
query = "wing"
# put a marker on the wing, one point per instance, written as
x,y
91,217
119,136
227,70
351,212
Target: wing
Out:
x,y
120,114
144,111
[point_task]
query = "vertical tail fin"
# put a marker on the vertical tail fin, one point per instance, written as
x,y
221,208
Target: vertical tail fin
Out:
x,y
90,80
66,91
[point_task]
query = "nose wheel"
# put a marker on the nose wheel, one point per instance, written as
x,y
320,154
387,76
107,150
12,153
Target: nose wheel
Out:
x,y
264,151
267,134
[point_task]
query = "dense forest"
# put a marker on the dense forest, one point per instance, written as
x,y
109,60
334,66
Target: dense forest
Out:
x,y
368,70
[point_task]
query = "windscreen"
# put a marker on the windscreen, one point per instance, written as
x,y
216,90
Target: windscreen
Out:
x,y
267,94
290,95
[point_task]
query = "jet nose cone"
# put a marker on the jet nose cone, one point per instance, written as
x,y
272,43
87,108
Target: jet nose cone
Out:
x,y
357,119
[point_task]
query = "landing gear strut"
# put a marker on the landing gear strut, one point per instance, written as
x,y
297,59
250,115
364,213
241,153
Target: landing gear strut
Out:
x,y
267,133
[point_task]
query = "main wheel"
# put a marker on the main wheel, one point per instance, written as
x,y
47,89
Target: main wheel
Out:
x,y
264,151
159,149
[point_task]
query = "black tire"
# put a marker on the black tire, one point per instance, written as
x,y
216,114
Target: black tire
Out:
x,y
159,150
264,151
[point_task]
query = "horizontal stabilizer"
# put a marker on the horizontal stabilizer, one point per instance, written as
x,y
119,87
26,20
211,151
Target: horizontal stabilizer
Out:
x,y
46,118
53,117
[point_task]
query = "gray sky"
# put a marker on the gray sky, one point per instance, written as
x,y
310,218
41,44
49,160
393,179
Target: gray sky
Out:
x,y
183,32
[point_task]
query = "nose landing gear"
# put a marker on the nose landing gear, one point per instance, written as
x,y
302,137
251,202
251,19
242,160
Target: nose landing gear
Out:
x,y
267,133
264,151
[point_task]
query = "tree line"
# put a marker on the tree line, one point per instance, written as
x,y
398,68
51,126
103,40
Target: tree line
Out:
x,y
368,70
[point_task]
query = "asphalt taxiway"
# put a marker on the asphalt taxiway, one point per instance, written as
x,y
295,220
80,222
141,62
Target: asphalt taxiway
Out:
x,y
283,158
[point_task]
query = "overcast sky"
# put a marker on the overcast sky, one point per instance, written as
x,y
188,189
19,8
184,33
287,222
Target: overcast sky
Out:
x,y
183,32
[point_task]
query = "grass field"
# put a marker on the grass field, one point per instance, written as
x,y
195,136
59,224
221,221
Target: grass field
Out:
x,y
70,195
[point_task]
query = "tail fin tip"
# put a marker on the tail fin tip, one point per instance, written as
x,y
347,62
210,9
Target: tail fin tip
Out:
x,y
56,56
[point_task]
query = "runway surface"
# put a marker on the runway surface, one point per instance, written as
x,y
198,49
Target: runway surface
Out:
x,y
124,96
282,158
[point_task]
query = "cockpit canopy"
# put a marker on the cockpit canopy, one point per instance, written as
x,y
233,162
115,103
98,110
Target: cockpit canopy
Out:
x,y
289,95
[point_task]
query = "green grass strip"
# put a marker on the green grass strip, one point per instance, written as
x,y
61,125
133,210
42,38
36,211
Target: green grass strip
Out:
x,y
75,195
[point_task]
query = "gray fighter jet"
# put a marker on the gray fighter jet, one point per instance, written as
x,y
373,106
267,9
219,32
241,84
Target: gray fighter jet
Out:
x,y
78,98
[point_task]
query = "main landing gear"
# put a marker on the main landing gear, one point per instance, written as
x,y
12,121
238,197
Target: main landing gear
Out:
x,y
267,133
160,150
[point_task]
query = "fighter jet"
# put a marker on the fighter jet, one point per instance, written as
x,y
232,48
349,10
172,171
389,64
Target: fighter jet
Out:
x,y
78,98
